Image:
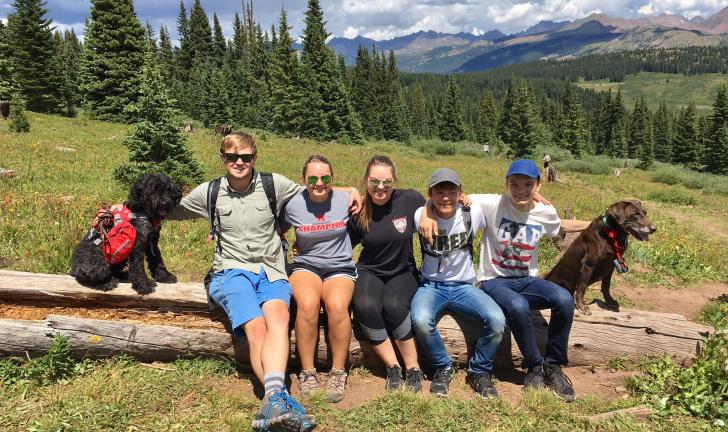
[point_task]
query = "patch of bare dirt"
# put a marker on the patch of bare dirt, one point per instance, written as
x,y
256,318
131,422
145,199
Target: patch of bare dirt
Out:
x,y
685,301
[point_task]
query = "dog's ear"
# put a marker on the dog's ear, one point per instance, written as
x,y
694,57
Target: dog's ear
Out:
x,y
135,201
618,211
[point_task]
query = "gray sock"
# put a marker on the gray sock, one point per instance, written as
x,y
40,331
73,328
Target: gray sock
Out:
x,y
273,382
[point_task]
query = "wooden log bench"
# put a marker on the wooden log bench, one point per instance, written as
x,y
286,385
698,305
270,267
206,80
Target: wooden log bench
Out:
x,y
594,339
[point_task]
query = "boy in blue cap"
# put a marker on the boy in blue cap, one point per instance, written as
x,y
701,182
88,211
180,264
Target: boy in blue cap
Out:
x,y
508,273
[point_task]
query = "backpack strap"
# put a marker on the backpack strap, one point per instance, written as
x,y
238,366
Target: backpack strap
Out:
x,y
468,222
270,193
212,190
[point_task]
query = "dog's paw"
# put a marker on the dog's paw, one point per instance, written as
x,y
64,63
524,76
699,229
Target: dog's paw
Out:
x,y
584,309
108,285
612,305
165,277
144,288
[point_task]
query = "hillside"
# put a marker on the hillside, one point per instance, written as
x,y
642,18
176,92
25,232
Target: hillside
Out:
x,y
676,90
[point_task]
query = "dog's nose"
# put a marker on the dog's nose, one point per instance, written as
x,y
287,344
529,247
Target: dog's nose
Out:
x,y
652,228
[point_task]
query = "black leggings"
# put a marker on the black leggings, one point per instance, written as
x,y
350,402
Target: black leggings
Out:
x,y
382,306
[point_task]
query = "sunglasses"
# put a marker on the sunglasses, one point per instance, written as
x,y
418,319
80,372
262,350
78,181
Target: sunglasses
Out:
x,y
233,157
313,180
387,183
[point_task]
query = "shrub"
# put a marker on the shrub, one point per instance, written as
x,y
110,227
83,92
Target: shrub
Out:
x,y
19,122
56,366
445,148
672,197
592,165
557,154
668,176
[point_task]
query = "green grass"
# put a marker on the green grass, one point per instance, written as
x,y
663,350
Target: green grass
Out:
x,y
676,90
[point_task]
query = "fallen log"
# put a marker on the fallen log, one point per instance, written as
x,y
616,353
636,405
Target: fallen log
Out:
x,y
595,339
64,290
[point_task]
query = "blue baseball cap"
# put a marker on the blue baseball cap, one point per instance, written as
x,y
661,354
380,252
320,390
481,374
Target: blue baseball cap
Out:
x,y
525,167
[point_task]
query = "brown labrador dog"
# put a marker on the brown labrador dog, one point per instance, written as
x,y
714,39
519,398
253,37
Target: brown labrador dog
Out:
x,y
596,253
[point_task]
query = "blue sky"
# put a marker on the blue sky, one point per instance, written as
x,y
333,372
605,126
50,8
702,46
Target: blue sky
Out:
x,y
385,19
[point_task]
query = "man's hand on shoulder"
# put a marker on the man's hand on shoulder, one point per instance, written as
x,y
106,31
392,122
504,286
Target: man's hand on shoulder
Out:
x,y
356,202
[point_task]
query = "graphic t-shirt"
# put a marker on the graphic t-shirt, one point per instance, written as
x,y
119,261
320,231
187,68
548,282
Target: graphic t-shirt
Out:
x,y
387,245
509,246
321,233
454,263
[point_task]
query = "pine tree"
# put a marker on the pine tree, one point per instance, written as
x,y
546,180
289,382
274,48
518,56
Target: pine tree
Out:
x,y
156,144
518,123
715,159
113,56
662,135
325,98
452,126
166,55
284,79
394,109
19,122
238,41
572,132
418,113
685,145
70,52
487,126
217,109
200,34
184,55
365,93
617,145
638,128
218,42
151,36
34,56
6,82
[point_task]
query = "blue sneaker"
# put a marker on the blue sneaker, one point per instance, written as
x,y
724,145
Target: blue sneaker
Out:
x,y
280,412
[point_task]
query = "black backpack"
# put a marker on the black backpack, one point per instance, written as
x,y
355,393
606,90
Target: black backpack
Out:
x,y
212,190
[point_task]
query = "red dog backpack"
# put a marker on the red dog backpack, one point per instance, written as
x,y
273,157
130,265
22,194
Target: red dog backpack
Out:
x,y
119,240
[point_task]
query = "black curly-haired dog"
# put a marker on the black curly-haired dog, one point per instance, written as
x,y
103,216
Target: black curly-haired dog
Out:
x,y
150,199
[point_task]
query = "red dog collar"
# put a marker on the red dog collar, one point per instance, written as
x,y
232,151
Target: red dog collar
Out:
x,y
613,238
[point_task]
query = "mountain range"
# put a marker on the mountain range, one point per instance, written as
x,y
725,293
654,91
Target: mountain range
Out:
x,y
430,51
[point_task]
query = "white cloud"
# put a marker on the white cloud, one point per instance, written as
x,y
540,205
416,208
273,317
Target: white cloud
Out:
x,y
646,9
351,32
505,15
477,32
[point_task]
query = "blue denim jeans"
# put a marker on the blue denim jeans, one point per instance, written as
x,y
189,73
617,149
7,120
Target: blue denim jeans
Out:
x,y
434,298
517,296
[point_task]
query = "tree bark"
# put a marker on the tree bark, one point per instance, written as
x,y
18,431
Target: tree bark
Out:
x,y
595,339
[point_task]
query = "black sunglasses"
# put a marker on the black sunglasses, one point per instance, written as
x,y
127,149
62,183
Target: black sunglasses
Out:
x,y
233,157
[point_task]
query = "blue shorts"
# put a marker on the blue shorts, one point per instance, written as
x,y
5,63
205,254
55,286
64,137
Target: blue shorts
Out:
x,y
241,293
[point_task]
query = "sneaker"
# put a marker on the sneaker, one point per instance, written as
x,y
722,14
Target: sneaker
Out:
x,y
280,412
441,382
413,380
336,385
308,381
555,379
394,377
482,384
534,378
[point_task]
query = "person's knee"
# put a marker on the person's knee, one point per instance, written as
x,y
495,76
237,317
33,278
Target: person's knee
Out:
x,y
563,302
422,317
256,331
518,309
308,309
497,322
337,310
276,315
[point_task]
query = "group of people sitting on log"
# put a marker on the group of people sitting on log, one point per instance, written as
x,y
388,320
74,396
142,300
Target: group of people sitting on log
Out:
x,y
395,304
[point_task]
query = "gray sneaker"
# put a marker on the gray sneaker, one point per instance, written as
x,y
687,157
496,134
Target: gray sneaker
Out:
x,y
280,412
534,378
308,381
336,385
394,377
441,382
413,380
556,380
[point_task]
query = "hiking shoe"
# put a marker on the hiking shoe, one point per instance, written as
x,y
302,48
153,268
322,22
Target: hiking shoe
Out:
x,y
555,379
308,381
394,377
534,378
413,380
482,384
336,385
280,412
441,382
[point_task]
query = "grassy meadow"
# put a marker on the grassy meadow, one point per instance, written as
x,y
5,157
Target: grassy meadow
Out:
x,y
49,204
677,90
